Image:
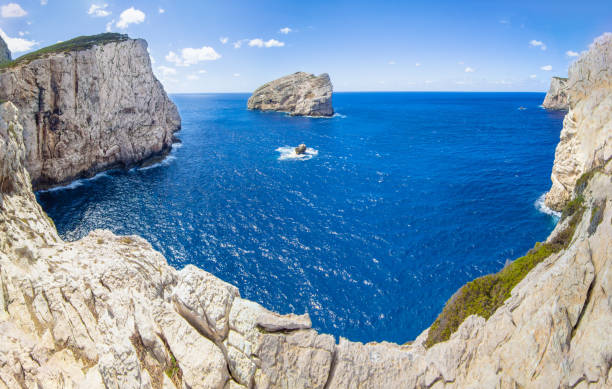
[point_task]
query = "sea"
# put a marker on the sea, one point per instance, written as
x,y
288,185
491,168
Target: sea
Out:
x,y
400,199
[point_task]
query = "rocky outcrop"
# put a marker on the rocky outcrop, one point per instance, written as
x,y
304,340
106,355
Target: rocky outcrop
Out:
x,y
586,138
556,97
88,105
299,94
107,311
5,53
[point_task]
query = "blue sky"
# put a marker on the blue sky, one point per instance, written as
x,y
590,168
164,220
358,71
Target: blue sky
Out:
x,y
234,46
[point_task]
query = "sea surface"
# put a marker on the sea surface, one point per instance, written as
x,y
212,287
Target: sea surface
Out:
x,y
400,200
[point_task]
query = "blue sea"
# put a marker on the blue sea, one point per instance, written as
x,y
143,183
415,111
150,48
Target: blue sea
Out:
x,y
400,200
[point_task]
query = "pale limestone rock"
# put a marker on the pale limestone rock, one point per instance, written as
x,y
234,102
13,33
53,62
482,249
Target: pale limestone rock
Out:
x,y
556,97
300,94
586,138
90,110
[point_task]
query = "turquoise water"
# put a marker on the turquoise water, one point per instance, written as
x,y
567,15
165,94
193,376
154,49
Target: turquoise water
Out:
x,y
402,198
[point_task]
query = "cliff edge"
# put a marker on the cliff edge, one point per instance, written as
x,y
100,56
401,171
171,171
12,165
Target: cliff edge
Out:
x,y
586,139
5,53
556,97
299,94
87,105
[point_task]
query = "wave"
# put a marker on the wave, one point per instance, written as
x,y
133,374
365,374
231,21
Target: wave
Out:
x,y
541,206
288,152
76,183
164,162
335,115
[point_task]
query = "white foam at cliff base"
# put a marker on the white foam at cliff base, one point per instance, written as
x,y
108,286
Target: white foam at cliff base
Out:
x,y
75,183
541,206
288,152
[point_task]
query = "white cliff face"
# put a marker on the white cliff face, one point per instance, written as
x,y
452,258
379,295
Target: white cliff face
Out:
x,y
108,312
586,138
556,97
300,94
89,110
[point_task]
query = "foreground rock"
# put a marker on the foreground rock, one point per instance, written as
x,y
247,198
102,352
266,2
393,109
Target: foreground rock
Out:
x,y
91,104
108,312
586,138
299,94
556,97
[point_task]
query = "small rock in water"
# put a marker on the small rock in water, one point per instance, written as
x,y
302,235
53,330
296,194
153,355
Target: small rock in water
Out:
x,y
301,149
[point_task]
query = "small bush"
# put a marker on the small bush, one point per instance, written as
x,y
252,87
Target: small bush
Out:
x,y
126,240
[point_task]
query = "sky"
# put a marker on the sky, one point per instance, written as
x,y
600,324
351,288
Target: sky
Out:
x,y
235,46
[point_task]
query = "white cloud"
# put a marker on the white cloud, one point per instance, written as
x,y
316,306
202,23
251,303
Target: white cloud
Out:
x,y
460,82
202,71
236,74
17,45
571,53
12,10
130,16
391,62
238,44
161,10
547,68
98,11
152,59
285,30
193,77
460,63
22,33
224,40
417,64
109,25
536,43
43,2
166,71
470,70
504,21
533,76
257,42
190,56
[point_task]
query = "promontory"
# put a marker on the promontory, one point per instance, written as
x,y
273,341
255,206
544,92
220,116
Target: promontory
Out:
x,y
299,94
86,105
556,97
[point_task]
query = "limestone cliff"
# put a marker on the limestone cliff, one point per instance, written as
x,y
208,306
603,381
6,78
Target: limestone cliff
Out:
x,y
556,97
300,94
88,104
586,138
108,312
5,53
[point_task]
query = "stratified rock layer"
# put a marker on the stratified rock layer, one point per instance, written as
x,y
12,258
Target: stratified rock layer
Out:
x,y
556,97
108,312
84,111
300,94
5,53
586,138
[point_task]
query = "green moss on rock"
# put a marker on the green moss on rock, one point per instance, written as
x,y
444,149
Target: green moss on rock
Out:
x,y
76,44
484,295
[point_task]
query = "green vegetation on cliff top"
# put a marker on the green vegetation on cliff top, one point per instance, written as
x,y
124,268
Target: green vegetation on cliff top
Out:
x,y
76,44
484,295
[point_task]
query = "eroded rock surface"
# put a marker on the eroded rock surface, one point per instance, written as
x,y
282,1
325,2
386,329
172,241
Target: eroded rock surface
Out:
x,y
586,138
556,97
299,94
89,110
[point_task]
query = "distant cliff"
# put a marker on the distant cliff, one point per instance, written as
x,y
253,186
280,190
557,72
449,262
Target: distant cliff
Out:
x,y
556,98
5,53
88,104
299,94
586,138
